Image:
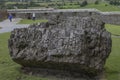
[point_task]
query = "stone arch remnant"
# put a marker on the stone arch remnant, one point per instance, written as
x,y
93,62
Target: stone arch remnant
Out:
x,y
70,44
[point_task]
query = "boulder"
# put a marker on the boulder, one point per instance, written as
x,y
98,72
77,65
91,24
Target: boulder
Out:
x,y
70,44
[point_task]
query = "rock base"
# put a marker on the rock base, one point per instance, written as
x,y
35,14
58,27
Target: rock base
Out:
x,y
59,74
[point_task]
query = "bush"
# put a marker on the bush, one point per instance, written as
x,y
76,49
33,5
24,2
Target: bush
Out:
x,y
33,4
111,2
96,2
58,4
18,5
84,3
2,5
78,3
51,5
106,5
114,3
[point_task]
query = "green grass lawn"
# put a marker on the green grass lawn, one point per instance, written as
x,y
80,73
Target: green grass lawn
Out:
x,y
29,21
11,71
102,7
114,29
112,67
8,69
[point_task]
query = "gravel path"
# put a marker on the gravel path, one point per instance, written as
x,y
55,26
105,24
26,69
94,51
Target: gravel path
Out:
x,y
8,26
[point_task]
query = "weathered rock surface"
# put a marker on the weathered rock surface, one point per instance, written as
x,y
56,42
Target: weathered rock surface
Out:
x,y
71,44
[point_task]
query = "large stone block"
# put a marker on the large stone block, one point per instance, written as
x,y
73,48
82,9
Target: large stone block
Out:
x,y
71,44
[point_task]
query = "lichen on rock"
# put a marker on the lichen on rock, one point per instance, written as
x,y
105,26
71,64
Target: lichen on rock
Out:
x,y
72,44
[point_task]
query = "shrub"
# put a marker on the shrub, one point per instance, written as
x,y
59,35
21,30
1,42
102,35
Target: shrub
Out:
x,y
2,5
78,3
84,3
33,4
96,2
114,2
111,2
52,4
106,5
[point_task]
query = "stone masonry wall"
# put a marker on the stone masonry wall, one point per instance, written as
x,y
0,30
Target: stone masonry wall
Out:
x,y
111,18
107,17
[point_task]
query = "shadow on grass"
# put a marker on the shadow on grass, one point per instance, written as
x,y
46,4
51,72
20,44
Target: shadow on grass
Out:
x,y
112,74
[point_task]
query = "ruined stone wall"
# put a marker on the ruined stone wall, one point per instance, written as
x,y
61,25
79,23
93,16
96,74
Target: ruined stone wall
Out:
x,y
107,17
47,15
64,14
111,18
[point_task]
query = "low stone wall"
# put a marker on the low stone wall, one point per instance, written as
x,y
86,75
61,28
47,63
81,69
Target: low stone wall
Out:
x,y
48,13
111,17
107,17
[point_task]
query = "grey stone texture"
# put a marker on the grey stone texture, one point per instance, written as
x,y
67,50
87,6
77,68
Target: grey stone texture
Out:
x,y
71,44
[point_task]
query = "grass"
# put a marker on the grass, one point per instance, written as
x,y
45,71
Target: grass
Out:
x,y
101,6
114,29
112,67
11,71
113,63
8,69
29,21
